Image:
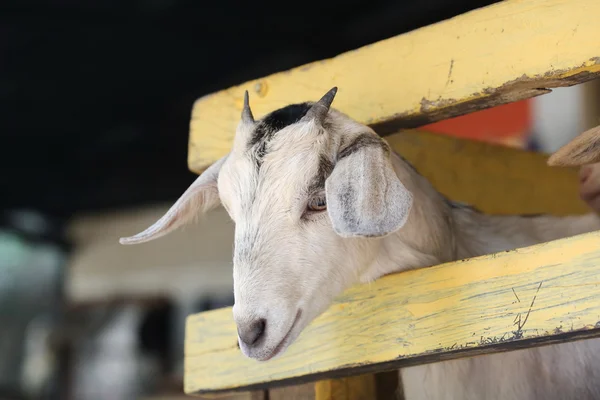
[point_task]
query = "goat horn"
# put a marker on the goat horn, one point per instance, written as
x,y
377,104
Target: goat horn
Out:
x,y
247,116
320,109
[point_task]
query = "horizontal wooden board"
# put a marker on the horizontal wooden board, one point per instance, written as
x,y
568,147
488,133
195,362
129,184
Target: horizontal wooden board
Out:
x,y
494,55
486,304
496,179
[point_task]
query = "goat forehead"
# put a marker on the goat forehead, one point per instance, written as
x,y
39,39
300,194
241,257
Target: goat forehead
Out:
x,y
271,126
284,175
277,120
288,167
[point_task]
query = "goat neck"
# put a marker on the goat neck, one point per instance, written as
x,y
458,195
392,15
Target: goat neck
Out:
x,y
440,230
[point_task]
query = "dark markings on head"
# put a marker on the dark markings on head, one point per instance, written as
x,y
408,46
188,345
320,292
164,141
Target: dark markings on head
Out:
x,y
272,123
361,141
324,170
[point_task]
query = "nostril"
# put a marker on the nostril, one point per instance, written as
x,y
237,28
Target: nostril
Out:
x,y
251,332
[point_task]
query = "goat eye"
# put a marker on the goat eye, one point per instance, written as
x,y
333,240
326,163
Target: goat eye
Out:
x,y
317,203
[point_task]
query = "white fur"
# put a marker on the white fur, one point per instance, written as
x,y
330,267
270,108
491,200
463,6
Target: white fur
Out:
x,y
289,265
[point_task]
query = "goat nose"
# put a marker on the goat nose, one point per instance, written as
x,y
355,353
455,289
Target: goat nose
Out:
x,y
250,332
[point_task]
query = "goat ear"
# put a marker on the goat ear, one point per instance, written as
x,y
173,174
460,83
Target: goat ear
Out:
x,y
364,195
200,197
583,150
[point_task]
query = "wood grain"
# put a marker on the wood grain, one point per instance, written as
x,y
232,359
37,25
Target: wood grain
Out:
x,y
490,56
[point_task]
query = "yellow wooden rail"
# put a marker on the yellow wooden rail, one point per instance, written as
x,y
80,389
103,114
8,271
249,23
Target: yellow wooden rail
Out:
x,y
537,295
498,180
494,55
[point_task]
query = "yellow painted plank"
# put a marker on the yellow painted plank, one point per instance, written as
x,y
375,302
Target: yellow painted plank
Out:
x,y
379,386
360,387
530,296
297,392
490,56
496,179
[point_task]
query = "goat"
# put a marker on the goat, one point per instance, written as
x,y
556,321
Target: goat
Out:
x,y
320,202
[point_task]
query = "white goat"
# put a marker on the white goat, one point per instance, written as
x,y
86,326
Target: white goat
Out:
x,y
320,202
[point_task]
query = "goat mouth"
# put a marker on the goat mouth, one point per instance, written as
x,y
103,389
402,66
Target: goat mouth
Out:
x,y
284,341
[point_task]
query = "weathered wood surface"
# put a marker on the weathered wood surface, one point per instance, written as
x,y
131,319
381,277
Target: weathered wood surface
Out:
x,y
537,295
494,55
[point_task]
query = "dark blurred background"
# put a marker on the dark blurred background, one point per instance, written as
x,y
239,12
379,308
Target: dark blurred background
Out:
x,y
96,98
96,94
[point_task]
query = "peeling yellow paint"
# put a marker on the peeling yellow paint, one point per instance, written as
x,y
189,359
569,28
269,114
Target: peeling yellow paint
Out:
x,y
490,56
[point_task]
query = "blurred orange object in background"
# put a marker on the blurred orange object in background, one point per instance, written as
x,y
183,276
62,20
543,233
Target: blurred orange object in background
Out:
x,y
509,125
